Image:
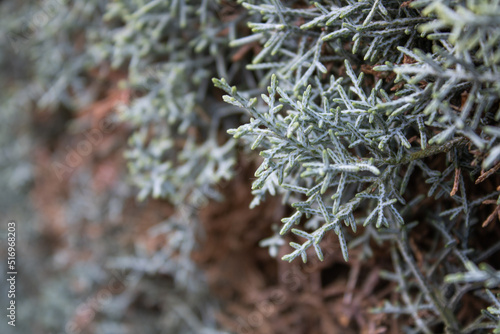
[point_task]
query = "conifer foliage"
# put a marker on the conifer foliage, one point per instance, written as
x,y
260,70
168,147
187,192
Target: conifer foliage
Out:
x,y
362,98
376,121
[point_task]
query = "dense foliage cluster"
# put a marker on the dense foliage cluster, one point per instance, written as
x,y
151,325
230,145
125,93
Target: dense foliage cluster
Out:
x,y
343,138
361,110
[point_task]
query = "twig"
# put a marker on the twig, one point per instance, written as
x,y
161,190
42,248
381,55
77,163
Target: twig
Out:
x,y
455,182
429,151
484,175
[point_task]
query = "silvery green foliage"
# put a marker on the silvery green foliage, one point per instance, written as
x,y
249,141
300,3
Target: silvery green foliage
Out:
x,y
323,138
184,300
172,49
47,38
43,69
441,279
464,59
337,140
167,277
489,278
54,49
342,139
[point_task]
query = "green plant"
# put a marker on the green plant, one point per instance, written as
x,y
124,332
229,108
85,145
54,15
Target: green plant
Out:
x,y
341,136
175,148
377,121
